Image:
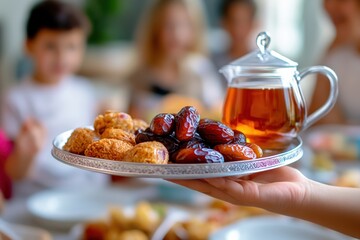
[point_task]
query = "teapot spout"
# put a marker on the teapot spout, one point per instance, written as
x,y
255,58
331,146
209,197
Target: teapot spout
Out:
x,y
228,73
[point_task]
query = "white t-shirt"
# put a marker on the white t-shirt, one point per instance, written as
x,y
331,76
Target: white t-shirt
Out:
x,y
345,61
67,105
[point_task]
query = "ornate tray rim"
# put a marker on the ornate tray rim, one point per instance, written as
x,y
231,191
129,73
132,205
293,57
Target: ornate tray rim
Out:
x,y
175,171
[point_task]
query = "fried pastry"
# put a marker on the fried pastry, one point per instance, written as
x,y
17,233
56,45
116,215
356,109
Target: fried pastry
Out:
x,y
79,140
111,149
117,133
148,152
113,120
132,235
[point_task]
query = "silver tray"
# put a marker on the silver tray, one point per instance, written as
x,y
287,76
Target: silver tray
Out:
x,y
177,171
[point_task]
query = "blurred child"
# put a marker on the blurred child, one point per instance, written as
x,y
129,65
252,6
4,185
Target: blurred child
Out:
x,y
343,56
172,60
52,99
238,20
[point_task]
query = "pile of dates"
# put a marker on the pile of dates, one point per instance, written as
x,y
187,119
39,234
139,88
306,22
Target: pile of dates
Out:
x,y
190,139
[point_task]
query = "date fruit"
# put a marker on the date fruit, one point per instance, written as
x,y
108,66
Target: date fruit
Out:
x,y
187,121
199,155
206,120
239,137
169,142
193,143
235,152
215,133
162,124
257,150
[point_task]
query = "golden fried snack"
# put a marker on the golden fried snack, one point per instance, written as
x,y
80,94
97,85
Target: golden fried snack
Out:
x,y
139,125
133,235
119,220
148,152
145,218
117,133
111,149
79,140
113,120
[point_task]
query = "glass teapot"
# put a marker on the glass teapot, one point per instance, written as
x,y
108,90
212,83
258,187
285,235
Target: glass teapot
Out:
x,y
264,99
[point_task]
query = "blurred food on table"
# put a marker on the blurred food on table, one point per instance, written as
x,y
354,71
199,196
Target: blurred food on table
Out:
x,y
217,215
340,142
119,224
322,161
349,178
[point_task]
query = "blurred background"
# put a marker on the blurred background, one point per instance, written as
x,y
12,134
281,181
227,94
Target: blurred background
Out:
x,y
299,29
115,62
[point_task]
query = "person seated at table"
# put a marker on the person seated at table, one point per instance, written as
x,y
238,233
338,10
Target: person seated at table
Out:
x,y
238,18
343,56
172,66
52,99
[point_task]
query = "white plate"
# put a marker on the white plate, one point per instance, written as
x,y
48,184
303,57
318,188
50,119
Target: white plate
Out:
x,y
20,232
176,171
275,228
62,209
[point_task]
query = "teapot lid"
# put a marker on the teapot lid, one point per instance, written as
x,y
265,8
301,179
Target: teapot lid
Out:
x,y
263,57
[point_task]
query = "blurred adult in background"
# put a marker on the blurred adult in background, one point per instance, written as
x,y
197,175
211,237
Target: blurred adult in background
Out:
x,y
50,101
343,56
173,70
238,20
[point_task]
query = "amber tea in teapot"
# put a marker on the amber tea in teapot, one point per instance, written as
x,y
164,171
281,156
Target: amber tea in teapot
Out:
x,y
271,116
264,99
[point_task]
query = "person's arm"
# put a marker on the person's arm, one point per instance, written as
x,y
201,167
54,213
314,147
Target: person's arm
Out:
x,y
286,191
333,207
320,95
27,145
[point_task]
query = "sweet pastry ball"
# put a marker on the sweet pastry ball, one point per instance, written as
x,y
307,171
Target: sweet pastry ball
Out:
x,y
110,119
79,140
111,149
148,152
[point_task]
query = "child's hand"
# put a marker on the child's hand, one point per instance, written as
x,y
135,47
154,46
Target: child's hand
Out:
x,y
31,138
275,190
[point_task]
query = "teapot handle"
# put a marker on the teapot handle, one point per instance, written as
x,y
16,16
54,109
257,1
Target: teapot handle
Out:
x,y
330,102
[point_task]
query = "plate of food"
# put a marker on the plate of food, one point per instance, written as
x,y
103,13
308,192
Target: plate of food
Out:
x,y
63,208
140,221
153,220
172,146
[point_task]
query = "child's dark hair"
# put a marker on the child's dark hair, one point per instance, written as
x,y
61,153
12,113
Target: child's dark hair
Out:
x,y
55,15
225,5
